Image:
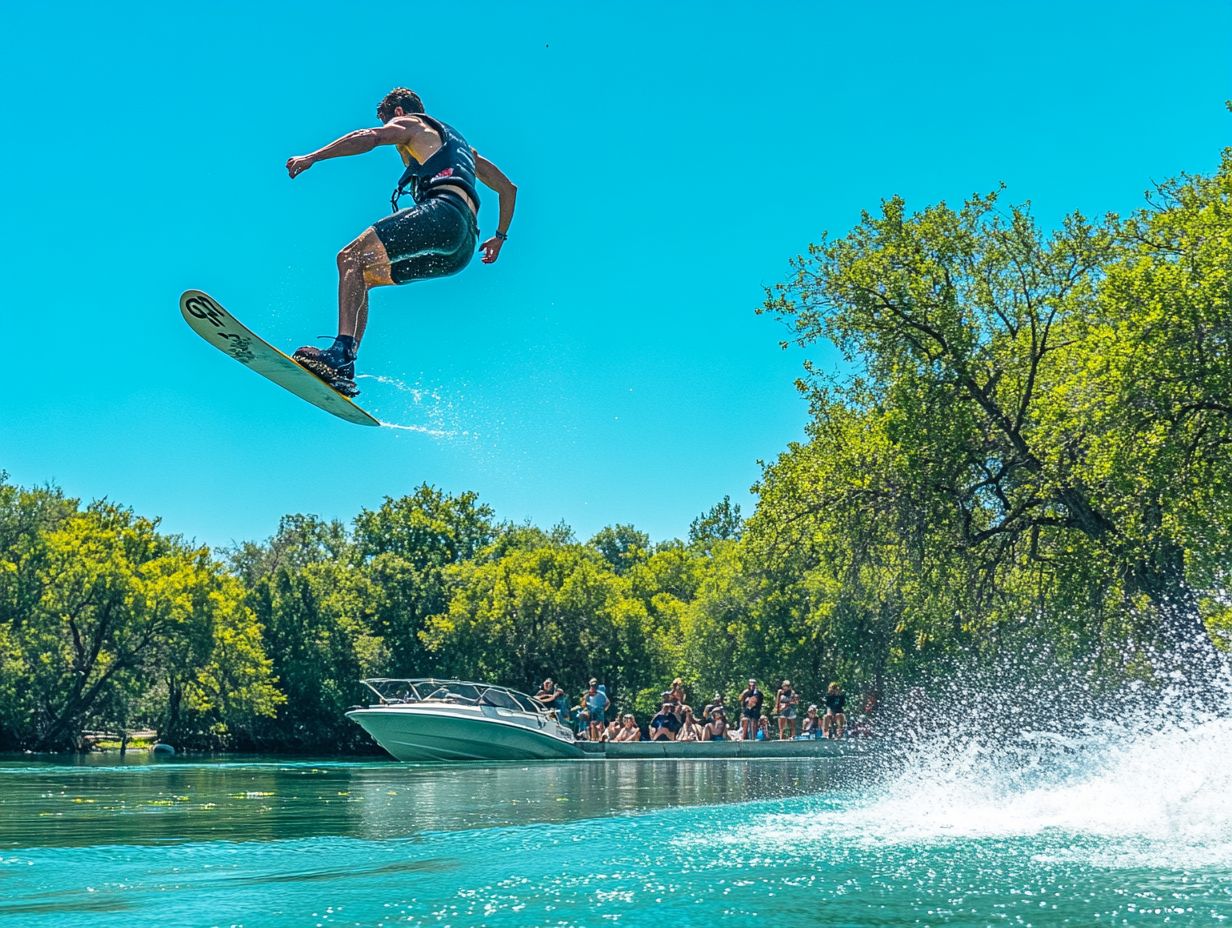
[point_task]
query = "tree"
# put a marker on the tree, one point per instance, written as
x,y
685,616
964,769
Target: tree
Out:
x,y
721,522
1001,363
404,549
622,546
221,687
543,607
105,600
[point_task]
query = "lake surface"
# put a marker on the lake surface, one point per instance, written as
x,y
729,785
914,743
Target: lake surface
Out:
x,y
928,841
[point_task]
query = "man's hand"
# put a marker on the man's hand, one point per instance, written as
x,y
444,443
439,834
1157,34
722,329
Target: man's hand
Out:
x,y
491,249
299,164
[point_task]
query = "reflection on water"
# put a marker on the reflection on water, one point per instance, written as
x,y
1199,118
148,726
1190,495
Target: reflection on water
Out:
x,y
108,801
774,843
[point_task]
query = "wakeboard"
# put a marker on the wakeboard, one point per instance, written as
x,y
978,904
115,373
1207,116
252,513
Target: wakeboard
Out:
x,y
232,337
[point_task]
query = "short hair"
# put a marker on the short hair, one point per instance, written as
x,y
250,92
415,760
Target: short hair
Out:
x,y
399,96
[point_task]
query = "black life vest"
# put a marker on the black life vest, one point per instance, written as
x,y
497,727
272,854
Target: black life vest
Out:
x,y
452,165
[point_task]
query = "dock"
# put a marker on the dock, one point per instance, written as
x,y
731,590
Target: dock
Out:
x,y
725,750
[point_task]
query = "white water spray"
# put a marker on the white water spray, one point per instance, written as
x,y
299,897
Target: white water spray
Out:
x,y
423,401
1150,788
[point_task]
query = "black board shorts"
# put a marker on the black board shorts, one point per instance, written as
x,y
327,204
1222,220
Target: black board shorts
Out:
x,y
434,238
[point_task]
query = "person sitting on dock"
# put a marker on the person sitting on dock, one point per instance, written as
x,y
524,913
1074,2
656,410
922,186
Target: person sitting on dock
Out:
x,y
663,727
611,730
689,729
716,702
836,701
763,729
716,730
750,710
628,729
811,727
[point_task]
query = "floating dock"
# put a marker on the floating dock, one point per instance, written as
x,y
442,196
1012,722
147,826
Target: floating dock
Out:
x,y
725,750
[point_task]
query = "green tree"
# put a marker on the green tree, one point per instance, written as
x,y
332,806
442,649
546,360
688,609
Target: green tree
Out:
x,y
721,522
106,599
623,546
404,549
534,606
999,364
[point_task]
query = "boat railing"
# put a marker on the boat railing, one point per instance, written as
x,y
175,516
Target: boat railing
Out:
x,y
392,691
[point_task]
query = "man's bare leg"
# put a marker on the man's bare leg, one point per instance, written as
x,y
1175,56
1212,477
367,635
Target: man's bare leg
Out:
x,y
362,265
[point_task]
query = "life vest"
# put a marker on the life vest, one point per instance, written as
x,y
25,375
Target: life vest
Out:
x,y
452,165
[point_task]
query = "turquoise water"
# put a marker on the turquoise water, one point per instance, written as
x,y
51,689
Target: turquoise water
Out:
x,y
1137,835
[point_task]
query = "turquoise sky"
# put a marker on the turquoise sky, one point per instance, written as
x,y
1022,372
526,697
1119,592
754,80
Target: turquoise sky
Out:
x,y
670,157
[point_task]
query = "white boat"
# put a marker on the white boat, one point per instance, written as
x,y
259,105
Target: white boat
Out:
x,y
438,720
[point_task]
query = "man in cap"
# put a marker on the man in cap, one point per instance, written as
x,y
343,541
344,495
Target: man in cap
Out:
x,y
750,710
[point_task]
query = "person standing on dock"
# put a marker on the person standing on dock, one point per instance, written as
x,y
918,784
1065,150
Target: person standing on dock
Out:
x,y
785,702
750,710
596,708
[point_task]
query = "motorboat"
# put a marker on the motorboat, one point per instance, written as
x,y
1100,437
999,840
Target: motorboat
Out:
x,y
455,720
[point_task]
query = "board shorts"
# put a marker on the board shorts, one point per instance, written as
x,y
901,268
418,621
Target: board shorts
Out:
x,y
788,712
434,238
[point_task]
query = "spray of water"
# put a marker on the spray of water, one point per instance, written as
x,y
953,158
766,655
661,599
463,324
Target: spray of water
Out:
x,y
1136,777
415,400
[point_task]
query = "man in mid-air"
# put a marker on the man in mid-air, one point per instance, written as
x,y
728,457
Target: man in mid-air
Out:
x,y
435,238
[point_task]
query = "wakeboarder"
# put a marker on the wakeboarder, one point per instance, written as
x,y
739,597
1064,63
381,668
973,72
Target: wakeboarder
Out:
x,y
434,238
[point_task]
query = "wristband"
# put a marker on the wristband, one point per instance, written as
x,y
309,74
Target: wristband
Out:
x,y
501,235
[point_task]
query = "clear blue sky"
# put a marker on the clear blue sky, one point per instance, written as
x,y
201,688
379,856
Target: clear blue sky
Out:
x,y
670,157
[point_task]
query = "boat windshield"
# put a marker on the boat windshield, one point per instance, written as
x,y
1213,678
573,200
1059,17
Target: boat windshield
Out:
x,y
456,692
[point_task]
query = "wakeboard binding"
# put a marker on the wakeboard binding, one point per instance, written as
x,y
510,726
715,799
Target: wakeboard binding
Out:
x,y
331,365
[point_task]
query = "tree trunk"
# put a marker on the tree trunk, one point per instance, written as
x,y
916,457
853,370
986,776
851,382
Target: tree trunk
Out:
x,y
170,731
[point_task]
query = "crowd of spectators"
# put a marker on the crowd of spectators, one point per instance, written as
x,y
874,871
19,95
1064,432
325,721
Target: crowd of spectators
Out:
x,y
592,717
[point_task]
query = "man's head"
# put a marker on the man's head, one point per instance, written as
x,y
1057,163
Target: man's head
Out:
x,y
399,97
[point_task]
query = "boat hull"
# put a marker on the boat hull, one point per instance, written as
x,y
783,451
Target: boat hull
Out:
x,y
412,734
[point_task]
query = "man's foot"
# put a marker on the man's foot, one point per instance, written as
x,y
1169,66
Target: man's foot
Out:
x,y
334,365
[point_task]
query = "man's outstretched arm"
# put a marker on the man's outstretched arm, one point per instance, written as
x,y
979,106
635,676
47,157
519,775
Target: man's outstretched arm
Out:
x,y
507,193
353,143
